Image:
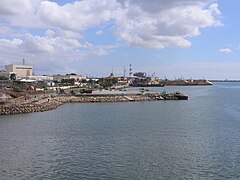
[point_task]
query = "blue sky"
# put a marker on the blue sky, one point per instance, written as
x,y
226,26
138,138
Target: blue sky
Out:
x,y
175,38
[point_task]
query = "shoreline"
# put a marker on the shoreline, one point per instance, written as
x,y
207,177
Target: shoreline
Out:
x,y
49,103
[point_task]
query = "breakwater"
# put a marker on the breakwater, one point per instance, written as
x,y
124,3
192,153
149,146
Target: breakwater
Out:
x,y
52,103
187,82
48,103
28,108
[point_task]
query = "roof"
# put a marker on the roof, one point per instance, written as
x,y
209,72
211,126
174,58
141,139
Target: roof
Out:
x,y
28,80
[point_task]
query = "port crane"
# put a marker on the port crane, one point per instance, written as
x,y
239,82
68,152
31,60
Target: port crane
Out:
x,y
152,76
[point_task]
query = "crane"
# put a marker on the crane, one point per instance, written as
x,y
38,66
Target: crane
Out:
x,y
152,76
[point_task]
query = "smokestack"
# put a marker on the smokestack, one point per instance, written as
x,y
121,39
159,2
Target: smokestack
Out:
x,y
23,62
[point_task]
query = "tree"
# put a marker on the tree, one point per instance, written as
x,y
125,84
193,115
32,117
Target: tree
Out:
x,y
114,81
68,81
13,77
84,81
107,82
3,78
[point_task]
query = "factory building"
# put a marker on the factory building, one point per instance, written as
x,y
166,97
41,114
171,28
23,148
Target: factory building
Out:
x,y
59,77
20,70
41,78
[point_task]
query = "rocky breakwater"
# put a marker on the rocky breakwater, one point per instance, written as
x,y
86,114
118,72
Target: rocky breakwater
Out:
x,y
100,99
30,107
48,103
45,104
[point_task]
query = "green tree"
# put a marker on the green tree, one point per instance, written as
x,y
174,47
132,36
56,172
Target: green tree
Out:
x,y
107,82
3,78
68,81
13,77
84,81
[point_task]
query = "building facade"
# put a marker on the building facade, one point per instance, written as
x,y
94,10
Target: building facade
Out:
x,y
20,70
77,78
41,78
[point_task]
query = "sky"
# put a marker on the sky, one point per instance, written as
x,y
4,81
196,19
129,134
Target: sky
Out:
x,y
174,38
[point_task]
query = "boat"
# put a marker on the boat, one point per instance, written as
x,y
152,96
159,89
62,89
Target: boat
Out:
x,y
88,91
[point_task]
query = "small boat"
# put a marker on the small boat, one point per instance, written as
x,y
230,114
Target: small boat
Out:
x,y
88,91
159,98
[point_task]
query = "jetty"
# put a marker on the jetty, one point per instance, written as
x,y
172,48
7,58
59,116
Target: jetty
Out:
x,y
46,102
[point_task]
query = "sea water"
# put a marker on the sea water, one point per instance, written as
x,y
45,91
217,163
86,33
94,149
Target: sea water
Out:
x,y
194,139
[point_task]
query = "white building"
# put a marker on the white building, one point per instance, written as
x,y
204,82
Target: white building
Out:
x,y
20,70
41,78
59,77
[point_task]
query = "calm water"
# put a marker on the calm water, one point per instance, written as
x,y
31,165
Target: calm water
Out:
x,y
194,139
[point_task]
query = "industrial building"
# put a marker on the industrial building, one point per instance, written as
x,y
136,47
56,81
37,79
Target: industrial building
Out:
x,y
59,77
20,70
41,78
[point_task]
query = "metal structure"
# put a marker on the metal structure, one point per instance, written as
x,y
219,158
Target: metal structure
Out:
x,y
130,70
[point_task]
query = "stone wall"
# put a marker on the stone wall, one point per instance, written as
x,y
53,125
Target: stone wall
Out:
x,y
52,103
28,108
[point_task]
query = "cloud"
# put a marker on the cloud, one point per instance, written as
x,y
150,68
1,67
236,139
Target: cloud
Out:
x,y
10,43
38,44
158,24
161,24
225,50
59,48
16,7
21,13
100,32
46,30
77,16
52,42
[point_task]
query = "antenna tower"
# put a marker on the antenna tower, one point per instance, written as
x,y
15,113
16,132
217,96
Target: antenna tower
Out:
x,y
130,70
124,72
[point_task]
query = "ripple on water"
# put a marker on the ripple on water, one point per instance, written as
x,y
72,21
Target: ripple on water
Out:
x,y
195,139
